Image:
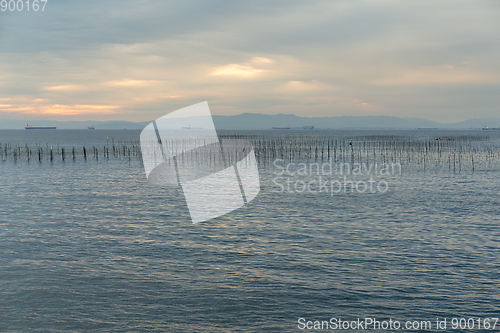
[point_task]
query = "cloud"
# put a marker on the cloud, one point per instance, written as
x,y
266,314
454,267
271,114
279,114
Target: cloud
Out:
x,y
237,70
131,83
59,109
262,60
65,87
312,58
440,75
307,86
77,109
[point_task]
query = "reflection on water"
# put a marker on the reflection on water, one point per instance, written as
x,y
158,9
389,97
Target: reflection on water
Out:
x,y
90,246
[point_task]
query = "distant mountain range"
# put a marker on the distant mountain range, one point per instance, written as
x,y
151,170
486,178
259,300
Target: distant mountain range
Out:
x,y
262,121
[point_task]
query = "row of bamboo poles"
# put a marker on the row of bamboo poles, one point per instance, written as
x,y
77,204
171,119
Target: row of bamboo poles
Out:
x,y
454,154
44,153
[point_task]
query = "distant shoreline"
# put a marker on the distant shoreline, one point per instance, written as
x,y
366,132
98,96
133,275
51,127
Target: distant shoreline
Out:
x,y
253,121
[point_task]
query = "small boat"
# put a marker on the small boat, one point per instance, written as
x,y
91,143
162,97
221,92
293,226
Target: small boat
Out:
x,y
91,127
280,128
40,127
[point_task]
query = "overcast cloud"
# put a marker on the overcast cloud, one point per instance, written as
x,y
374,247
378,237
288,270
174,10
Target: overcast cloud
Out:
x,y
137,60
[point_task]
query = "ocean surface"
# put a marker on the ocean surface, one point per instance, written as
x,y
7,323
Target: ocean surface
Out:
x,y
87,245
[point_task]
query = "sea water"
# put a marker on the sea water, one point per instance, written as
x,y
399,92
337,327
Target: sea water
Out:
x,y
90,246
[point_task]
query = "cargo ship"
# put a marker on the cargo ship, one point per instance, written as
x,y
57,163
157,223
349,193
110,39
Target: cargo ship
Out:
x,y
288,127
493,128
41,127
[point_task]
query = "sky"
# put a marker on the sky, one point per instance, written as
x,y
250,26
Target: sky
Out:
x,y
138,60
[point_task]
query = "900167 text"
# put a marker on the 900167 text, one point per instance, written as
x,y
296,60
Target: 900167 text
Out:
x,y
20,5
